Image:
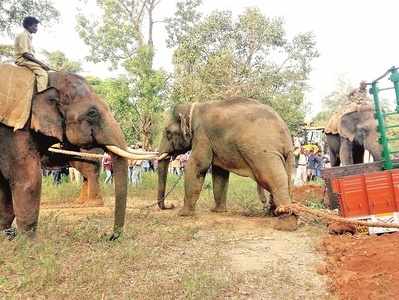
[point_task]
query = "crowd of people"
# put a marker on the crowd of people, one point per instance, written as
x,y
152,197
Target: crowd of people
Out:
x,y
136,168
308,164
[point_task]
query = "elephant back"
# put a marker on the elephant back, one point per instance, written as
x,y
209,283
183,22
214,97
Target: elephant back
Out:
x,y
334,123
16,90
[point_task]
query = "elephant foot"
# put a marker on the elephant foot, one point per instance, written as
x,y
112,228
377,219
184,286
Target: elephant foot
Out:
x,y
269,209
286,222
219,209
93,203
9,233
184,212
80,201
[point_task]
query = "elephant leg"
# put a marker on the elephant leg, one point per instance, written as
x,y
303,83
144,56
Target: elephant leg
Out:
x,y
90,193
26,189
271,174
346,152
334,159
6,208
84,192
94,193
194,176
266,199
358,154
220,179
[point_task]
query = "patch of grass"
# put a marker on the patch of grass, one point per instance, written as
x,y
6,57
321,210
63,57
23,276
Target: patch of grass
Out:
x,y
59,193
313,201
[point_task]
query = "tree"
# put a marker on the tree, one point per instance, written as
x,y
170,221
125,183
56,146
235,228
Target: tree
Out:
x,y
217,57
12,13
6,53
60,62
119,39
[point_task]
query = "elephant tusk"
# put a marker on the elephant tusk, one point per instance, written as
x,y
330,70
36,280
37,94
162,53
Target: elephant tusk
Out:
x,y
75,153
163,156
140,152
123,153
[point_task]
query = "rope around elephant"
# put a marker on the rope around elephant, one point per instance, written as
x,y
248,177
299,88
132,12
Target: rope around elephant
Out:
x,y
297,209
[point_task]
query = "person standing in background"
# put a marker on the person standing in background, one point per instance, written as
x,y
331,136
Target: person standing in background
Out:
x,y
107,165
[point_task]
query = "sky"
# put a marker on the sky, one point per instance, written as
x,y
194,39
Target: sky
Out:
x,y
356,38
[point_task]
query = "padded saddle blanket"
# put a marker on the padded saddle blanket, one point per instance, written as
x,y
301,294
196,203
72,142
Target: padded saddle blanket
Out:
x,y
16,90
333,124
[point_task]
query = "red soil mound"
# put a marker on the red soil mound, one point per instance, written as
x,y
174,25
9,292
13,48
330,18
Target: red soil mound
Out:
x,y
363,267
304,193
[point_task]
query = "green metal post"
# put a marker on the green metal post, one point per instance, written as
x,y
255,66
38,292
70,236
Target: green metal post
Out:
x,y
395,79
381,128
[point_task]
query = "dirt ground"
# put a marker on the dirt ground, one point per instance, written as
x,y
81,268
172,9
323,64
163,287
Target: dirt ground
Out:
x,y
260,262
208,256
309,192
362,267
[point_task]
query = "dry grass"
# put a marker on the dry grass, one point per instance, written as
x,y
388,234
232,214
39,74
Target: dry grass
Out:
x,y
160,255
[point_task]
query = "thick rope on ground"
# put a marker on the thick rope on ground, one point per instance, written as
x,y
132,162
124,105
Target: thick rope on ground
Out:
x,y
297,209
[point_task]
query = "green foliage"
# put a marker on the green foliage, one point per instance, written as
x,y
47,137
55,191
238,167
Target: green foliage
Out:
x,y
333,102
60,62
115,39
218,57
12,12
119,40
185,18
6,53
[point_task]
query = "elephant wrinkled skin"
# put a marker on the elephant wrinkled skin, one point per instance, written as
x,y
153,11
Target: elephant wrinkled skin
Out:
x,y
237,135
70,113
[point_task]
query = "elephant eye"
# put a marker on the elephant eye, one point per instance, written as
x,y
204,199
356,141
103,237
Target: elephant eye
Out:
x,y
168,134
93,115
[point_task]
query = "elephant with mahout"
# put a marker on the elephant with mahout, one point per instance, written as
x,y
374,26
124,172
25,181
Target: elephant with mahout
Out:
x,y
70,113
89,168
355,131
238,135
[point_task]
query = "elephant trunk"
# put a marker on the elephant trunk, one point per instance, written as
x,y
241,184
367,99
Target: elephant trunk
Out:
x,y
162,176
120,178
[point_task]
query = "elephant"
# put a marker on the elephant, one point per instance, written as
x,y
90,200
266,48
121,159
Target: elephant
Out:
x,y
356,132
89,168
238,135
70,113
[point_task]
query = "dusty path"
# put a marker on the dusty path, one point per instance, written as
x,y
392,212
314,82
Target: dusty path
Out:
x,y
262,263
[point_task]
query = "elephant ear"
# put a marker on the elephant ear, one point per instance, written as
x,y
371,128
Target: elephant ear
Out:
x,y
185,127
46,118
347,125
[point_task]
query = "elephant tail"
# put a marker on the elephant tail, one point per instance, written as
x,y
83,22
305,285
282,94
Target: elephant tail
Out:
x,y
289,167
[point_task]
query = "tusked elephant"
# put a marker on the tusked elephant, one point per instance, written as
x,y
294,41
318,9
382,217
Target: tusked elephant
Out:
x,y
236,135
356,132
70,113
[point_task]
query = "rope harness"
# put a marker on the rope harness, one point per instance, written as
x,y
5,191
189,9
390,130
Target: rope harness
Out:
x,y
296,209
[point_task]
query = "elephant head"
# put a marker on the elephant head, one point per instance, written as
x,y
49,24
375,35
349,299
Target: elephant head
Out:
x,y
360,128
71,113
176,139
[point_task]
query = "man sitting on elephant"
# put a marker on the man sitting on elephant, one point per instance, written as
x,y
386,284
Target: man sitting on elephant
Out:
x,y
24,53
359,94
